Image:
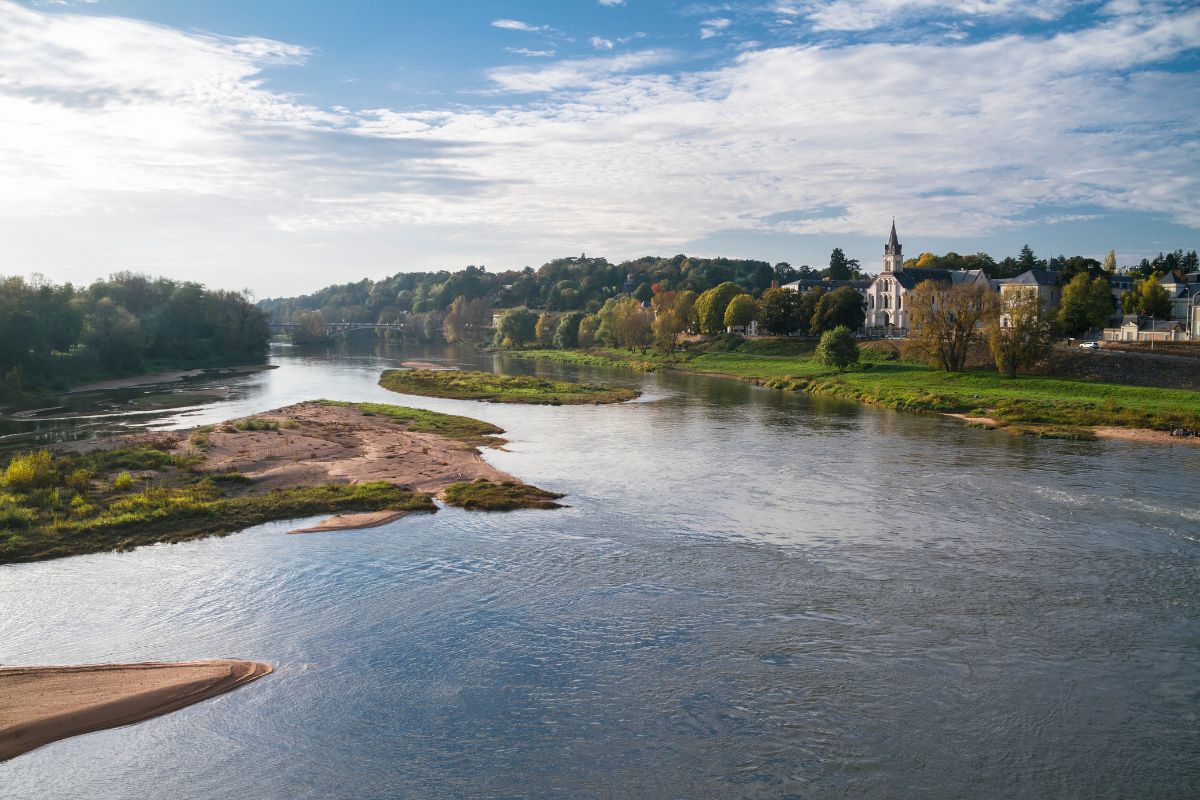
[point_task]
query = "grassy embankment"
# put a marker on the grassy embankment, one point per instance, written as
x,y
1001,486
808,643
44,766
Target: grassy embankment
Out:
x,y
54,505
1037,405
500,388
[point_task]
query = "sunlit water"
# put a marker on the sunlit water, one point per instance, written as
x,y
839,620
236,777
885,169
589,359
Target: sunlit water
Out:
x,y
753,594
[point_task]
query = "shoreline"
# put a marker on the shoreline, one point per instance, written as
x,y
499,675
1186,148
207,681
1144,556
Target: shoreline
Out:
x,y
155,378
40,705
780,372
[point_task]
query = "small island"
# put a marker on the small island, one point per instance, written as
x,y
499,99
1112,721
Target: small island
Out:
x,y
493,388
310,458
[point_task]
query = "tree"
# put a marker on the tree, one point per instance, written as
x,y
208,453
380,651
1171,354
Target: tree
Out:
x,y
464,318
587,330
567,335
668,325
711,305
740,312
840,267
309,328
946,321
841,307
631,324
1027,260
808,308
837,348
517,327
544,330
779,311
1085,304
1020,336
1149,299
1110,262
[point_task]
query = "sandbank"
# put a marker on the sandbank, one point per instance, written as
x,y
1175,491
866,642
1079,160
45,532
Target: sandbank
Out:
x,y
39,705
427,365
353,522
1144,435
154,378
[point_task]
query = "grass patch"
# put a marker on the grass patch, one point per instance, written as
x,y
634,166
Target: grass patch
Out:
x,y
89,503
474,432
500,388
484,495
1039,405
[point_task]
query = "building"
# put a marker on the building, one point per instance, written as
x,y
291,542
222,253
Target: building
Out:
x,y
1146,329
1041,282
888,295
1181,291
806,285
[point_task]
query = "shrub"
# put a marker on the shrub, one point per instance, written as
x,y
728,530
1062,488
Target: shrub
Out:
x,y
123,481
30,471
838,348
14,517
80,480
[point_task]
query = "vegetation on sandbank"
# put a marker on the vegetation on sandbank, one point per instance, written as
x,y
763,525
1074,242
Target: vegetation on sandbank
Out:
x,y
474,432
500,388
485,495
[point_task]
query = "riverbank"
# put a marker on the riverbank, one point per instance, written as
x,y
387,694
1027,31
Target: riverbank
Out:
x,y
40,705
305,459
493,388
174,376
1034,405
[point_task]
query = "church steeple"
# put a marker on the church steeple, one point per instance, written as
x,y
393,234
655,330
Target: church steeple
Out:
x,y
892,258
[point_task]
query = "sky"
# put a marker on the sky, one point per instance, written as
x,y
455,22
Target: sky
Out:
x,y
283,145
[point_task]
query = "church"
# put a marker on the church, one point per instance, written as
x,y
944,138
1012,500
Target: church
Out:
x,y
888,296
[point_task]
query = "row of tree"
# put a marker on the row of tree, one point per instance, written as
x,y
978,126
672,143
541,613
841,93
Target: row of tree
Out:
x,y
54,334
585,284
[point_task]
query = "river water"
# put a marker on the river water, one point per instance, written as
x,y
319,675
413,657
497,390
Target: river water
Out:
x,y
752,594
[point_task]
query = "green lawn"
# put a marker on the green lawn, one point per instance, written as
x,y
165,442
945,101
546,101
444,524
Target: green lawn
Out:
x,y
500,388
1037,403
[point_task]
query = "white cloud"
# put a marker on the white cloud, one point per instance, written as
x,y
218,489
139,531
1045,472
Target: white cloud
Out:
x,y
524,51
713,27
134,145
573,72
611,3
516,25
601,43
864,15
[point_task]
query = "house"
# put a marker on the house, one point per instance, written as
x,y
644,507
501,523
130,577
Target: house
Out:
x,y
1041,282
1120,284
1181,291
1133,328
805,285
888,294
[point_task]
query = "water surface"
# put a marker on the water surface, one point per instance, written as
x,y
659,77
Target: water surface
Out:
x,y
753,594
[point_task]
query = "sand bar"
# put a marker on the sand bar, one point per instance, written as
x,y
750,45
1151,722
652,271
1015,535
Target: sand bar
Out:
x,y
39,705
353,522
1144,435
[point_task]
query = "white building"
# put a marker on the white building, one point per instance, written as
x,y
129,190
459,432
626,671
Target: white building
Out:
x,y
888,296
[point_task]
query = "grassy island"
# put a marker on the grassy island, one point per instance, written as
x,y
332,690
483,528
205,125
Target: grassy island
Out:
x,y
311,458
1030,404
500,388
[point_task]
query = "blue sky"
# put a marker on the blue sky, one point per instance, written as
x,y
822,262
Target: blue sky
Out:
x,y
281,146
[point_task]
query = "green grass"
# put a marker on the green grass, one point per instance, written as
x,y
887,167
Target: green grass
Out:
x,y
470,431
1039,405
484,495
500,388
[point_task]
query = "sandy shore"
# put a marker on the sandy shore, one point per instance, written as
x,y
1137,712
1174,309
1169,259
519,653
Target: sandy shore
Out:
x,y
353,522
1143,435
340,444
39,705
991,423
427,365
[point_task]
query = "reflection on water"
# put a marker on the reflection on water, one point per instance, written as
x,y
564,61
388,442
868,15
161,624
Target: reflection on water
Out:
x,y
753,594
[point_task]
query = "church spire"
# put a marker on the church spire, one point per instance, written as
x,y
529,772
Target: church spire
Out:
x,y
892,259
893,245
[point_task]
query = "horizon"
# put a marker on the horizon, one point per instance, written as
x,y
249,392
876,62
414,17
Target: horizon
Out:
x,y
285,147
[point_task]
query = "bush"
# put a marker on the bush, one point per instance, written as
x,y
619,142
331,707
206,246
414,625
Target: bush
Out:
x,y
123,481
30,471
80,480
838,348
15,517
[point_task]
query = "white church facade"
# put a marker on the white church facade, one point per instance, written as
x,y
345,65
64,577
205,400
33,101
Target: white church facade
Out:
x,y
887,298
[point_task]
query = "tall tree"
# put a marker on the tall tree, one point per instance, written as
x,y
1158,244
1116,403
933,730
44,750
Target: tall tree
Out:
x,y
741,311
517,327
779,311
840,267
1110,262
947,321
1021,335
711,305
843,306
1027,260
1085,304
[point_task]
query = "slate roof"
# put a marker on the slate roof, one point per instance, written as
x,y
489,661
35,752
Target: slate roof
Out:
x,y
1035,277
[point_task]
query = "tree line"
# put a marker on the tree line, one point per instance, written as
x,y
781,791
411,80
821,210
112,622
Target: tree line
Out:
x,y
53,335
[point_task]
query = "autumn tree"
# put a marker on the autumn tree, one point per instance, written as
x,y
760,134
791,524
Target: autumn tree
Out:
x,y
587,330
843,306
1149,299
465,318
1085,304
740,312
947,321
779,311
544,330
711,305
1110,262
631,325
1021,335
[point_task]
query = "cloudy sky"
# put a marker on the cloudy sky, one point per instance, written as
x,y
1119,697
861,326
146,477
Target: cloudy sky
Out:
x,y
282,145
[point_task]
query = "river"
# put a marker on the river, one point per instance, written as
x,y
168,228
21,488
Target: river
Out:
x,y
752,594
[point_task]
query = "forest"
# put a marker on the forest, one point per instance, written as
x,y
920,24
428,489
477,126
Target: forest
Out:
x,y
53,335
